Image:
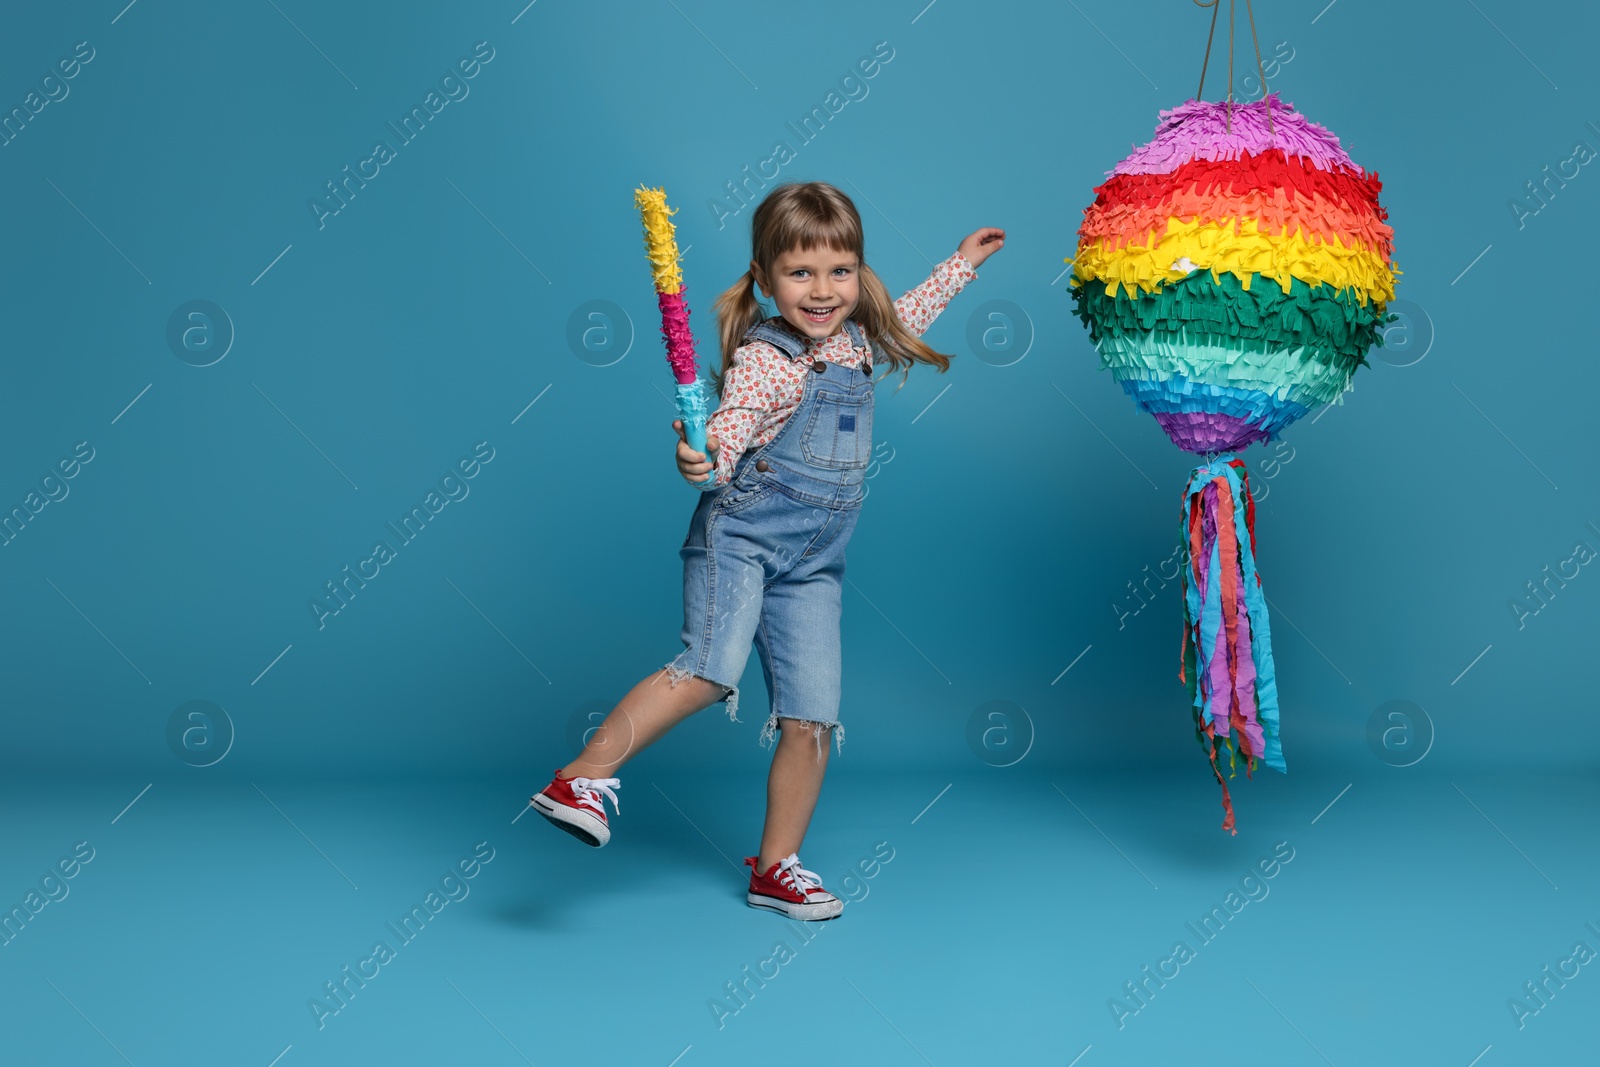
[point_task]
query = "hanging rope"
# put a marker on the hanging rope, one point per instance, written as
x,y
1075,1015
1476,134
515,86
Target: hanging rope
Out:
x,y
1230,66
1205,62
1214,6
1260,72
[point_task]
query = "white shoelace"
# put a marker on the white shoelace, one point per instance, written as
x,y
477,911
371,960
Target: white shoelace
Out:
x,y
795,877
588,790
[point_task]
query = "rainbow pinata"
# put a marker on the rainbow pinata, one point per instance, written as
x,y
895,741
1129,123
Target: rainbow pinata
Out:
x,y
1234,271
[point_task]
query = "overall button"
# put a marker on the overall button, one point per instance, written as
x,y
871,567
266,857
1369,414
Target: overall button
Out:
x,y
762,466
819,366
866,368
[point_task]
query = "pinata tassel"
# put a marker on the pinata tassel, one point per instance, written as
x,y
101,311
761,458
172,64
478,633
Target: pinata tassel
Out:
x,y
1227,640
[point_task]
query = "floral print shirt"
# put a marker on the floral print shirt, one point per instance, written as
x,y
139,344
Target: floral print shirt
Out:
x,y
763,386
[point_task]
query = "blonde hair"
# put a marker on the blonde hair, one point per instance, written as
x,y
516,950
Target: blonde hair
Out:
x,y
799,216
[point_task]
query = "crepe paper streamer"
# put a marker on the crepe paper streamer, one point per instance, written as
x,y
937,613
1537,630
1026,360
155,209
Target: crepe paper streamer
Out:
x,y
1227,639
1233,274
661,245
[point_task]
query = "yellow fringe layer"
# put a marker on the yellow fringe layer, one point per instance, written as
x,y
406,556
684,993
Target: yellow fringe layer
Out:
x,y
1237,247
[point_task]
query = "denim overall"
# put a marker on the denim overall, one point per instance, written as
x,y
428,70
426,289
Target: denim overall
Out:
x,y
764,558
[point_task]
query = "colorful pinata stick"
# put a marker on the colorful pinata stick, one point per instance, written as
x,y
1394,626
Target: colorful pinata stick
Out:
x,y
662,247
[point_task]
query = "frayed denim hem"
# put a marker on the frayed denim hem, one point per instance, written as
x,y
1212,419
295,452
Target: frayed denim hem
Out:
x,y
769,732
676,674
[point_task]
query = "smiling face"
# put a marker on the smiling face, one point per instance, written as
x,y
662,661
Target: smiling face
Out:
x,y
816,289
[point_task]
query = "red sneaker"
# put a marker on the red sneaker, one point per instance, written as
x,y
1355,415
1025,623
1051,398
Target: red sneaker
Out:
x,y
575,806
790,889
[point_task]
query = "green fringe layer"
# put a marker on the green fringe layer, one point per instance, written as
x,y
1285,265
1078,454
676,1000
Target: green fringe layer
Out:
x,y
1330,326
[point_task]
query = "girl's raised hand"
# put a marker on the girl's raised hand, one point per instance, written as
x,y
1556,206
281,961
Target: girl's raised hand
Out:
x,y
979,245
691,464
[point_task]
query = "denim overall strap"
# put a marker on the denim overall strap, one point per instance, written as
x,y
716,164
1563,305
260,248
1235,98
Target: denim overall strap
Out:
x,y
781,336
821,453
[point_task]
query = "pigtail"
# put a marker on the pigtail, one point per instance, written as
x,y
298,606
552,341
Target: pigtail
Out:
x,y
737,311
899,346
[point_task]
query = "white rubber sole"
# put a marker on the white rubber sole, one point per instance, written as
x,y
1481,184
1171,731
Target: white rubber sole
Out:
x,y
817,912
586,828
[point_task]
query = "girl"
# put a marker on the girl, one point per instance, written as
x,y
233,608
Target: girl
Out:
x,y
764,558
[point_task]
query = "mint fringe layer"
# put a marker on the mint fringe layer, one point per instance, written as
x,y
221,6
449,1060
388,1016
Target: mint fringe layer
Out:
x,y
1227,639
1287,375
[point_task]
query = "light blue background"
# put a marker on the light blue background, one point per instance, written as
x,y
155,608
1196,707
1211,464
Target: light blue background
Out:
x,y
998,539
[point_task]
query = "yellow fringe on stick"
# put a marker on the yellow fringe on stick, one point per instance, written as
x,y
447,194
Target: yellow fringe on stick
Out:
x,y
660,240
